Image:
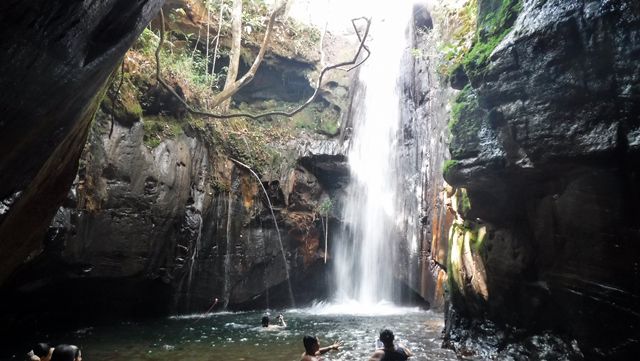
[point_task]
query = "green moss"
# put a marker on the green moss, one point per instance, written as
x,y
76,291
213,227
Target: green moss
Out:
x,y
463,237
492,29
448,165
465,123
329,127
159,128
318,118
464,203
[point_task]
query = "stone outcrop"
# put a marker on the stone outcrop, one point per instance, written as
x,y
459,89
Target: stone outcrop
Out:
x,y
56,60
546,145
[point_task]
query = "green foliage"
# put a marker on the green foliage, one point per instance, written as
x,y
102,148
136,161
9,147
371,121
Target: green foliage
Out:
x,y
255,14
192,70
454,50
325,207
492,29
147,42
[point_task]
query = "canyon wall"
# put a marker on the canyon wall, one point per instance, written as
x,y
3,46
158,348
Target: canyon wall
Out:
x,y
56,63
544,252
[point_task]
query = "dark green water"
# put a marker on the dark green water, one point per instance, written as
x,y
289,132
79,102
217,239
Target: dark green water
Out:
x,y
237,336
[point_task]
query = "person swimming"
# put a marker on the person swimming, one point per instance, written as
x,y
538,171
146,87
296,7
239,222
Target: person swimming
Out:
x,y
66,353
280,319
390,352
312,348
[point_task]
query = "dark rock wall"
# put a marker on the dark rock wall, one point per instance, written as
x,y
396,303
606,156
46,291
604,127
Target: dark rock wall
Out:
x,y
546,147
55,61
148,231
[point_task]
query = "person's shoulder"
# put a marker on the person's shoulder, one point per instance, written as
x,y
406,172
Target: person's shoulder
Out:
x,y
404,350
377,355
378,352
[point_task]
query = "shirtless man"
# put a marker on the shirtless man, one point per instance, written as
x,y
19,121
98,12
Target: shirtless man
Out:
x,y
390,352
312,348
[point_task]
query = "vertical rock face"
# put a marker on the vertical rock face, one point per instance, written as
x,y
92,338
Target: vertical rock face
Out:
x,y
546,147
424,148
56,59
150,231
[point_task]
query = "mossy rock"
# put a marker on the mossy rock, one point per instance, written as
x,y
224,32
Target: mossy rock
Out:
x,y
495,20
122,104
159,128
466,121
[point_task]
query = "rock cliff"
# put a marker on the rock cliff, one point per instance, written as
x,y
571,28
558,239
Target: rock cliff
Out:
x,y
57,58
164,216
545,151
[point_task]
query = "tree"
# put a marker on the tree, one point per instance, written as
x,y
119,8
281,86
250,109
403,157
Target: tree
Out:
x,y
232,86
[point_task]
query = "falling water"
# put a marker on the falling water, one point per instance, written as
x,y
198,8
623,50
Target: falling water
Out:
x,y
365,258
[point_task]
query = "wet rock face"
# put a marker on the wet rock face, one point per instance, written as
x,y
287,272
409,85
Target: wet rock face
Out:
x,y
546,147
423,139
149,231
57,57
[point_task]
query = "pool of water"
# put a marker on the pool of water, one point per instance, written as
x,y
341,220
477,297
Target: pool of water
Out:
x,y
238,336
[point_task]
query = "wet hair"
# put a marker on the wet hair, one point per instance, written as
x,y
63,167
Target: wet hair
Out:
x,y
386,336
265,321
41,349
310,343
65,353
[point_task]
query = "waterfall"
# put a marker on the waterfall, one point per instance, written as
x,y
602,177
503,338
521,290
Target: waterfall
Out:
x,y
365,257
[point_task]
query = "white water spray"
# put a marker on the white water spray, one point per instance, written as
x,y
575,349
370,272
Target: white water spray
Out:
x,y
365,258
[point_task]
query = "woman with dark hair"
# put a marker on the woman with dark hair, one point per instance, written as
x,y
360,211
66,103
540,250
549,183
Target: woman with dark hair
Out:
x,y
66,353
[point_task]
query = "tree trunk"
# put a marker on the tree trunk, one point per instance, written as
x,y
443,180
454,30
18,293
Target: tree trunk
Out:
x,y
234,54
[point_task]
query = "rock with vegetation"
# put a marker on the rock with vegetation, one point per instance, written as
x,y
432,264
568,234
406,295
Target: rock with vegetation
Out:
x,y
164,216
544,140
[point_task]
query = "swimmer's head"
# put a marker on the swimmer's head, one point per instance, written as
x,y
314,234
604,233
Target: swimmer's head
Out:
x,y
66,353
387,337
265,321
311,344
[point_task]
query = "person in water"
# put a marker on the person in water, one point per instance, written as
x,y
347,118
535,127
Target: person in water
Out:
x,y
66,353
280,318
312,348
40,352
390,352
